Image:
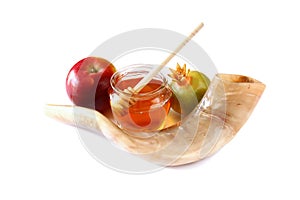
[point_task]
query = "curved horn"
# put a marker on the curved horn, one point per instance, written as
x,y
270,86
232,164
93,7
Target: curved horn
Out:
x,y
226,106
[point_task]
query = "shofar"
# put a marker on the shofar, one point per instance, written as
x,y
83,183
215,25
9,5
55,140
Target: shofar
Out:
x,y
226,106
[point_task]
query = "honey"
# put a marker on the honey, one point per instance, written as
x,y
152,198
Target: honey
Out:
x,y
149,108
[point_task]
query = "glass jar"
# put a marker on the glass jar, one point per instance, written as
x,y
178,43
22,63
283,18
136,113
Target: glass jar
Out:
x,y
143,112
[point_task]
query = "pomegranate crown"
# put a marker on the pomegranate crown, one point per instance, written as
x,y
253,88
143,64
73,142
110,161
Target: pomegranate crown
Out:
x,y
180,75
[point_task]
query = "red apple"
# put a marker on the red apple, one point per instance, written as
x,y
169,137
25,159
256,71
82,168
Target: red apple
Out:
x,y
88,82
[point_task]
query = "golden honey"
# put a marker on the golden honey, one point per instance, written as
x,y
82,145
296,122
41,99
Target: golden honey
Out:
x,y
148,109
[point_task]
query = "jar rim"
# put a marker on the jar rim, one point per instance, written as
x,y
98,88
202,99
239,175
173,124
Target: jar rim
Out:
x,y
137,68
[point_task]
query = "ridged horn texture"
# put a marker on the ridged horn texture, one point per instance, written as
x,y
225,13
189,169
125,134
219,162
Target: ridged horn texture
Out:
x,y
226,106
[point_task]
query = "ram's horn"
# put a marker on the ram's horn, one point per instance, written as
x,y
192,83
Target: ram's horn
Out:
x,y
226,106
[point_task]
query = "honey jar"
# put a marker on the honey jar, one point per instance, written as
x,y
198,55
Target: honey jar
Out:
x,y
144,112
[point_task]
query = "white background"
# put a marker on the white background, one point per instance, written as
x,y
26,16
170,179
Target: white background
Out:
x,y
43,159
